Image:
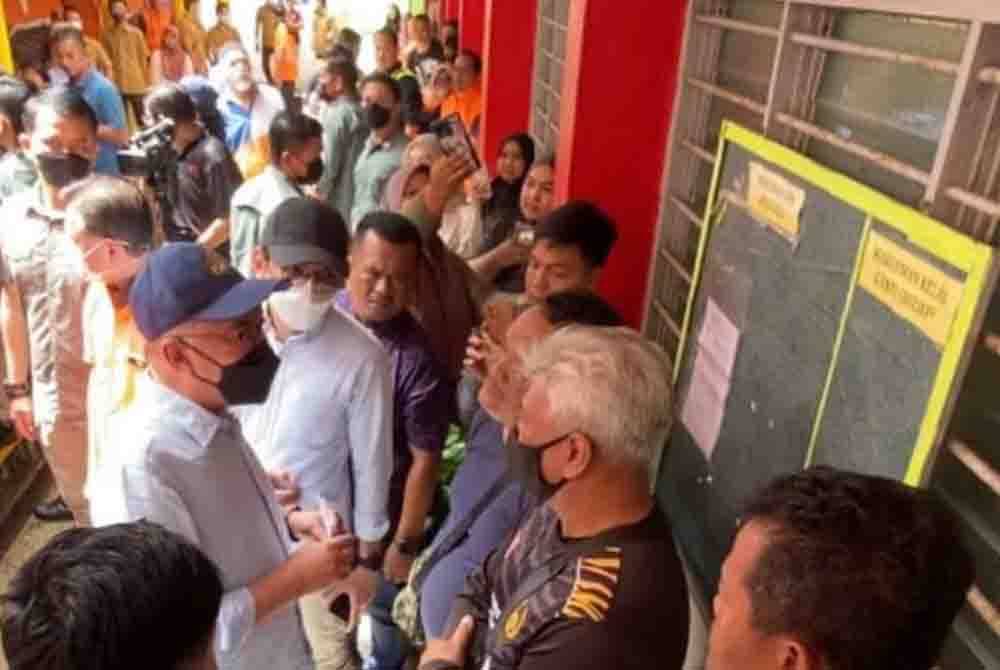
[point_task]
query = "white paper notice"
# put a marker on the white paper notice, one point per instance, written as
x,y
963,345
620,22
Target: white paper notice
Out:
x,y
719,337
715,357
705,403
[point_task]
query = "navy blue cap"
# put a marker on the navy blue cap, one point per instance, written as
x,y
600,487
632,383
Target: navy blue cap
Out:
x,y
181,283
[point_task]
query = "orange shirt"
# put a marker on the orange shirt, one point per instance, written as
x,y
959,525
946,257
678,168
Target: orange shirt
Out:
x,y
157,21
286,55
467,103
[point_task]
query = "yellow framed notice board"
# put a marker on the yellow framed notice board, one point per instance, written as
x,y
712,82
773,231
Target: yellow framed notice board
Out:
x,y
827,324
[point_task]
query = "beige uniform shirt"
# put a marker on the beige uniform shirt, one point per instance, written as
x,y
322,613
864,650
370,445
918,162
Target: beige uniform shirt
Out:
x,y
45,266
129,56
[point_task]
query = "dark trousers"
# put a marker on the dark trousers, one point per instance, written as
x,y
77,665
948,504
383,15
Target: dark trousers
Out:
x,y
288,92
135,102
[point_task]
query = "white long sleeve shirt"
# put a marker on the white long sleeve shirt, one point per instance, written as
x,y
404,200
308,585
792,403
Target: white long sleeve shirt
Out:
x,y
328,421
191,471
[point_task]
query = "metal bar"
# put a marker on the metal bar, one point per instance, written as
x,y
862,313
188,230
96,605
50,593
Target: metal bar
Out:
x,y
776,68
977,158
874,53
984,205
686,210
943,9
989,75
676,265
984,608
739,26
700,152
976,465
958,93
719,92
665,315
877,157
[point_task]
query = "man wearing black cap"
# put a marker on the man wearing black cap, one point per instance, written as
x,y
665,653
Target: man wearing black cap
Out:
x,y
328,419
189,468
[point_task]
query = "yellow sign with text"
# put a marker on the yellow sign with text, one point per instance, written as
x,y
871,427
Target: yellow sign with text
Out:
x,y
911,287
775,201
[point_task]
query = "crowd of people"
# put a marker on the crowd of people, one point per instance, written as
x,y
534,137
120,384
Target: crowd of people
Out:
x,y
243,383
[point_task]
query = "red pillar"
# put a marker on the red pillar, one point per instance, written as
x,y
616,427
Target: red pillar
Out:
x,y
450,9
508,61
614,117
471,24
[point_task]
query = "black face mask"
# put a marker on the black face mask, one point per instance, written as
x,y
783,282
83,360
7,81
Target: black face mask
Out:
x,y
248,380
377,116
524,463
60,170
313,172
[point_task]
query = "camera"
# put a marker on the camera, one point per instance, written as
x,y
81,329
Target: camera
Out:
x,y
150,153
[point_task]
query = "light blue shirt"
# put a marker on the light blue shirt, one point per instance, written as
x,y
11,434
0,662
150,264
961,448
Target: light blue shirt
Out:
x,y
378,161
191,471
104,99
328,421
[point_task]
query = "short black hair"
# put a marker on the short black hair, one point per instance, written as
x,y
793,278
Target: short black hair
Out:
x,y
340,65
13,94
423,18
583,225
385,80
390,227
582,307
842,545
123,596
387,32
114,208
350,39
64,101
477,62
290,131
66,31
172,102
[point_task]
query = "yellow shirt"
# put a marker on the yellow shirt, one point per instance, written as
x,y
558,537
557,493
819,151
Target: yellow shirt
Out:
x,y
115,349
129,55
219,36
324,32
98,56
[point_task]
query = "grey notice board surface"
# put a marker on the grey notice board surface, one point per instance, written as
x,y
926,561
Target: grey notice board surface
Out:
x,y
827,324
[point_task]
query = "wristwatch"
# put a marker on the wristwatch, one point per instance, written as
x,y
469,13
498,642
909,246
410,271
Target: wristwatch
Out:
x,y
22,390
409,546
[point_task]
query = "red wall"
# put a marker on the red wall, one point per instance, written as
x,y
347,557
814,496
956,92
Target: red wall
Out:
x,y
618,94
508,61
472,23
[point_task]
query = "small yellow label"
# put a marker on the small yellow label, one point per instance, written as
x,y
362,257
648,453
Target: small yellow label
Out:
x,y
775,201
515,621
911,287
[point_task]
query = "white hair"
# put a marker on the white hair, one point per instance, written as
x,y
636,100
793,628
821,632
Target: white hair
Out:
x,y
611,384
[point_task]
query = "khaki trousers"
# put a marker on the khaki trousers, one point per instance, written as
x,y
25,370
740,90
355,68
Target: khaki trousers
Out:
x,y
332,644
65,447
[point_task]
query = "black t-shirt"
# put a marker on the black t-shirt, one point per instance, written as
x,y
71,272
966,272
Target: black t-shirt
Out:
x,y
435,52
206,179
622,604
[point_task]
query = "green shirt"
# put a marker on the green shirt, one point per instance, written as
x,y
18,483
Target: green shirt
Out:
x,y
251,204
376,164
16,174
343,140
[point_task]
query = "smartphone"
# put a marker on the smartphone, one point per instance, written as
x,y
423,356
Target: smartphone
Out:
x,y
341,607
454,138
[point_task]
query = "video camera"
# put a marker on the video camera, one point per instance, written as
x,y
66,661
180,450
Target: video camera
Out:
x,y
150,153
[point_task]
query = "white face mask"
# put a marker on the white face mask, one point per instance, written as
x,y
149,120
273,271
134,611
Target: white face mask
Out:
x,y
301,307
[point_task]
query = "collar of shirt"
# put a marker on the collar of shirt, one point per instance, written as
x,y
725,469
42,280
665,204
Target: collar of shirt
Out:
x,y
373,144
84,79
191,418
39,209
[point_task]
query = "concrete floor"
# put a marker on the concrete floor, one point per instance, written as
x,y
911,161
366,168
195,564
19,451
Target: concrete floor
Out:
x,y
22,535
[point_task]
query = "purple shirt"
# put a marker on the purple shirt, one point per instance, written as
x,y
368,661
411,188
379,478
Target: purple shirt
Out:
x,y
423,396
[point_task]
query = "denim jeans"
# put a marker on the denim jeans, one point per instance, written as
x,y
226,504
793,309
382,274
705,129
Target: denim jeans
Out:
x,y
389,648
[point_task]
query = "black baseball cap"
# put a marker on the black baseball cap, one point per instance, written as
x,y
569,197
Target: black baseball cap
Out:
x,y
180,282
305,230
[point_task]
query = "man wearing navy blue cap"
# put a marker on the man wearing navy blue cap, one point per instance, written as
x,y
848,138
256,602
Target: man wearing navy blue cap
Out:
x,y
190,469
